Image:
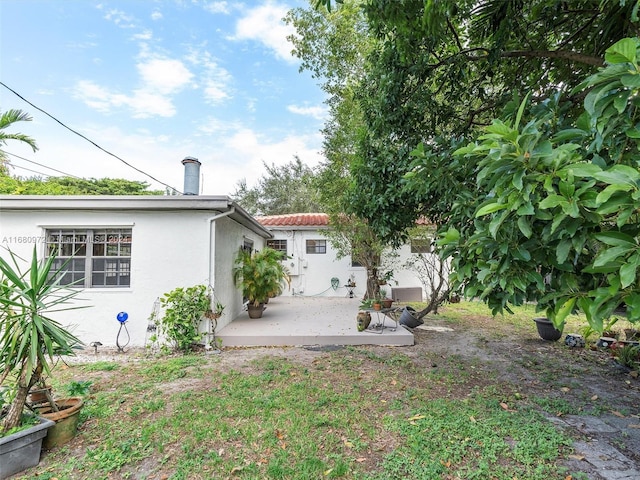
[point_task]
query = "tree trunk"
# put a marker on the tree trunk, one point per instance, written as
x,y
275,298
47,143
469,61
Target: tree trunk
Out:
x,y
436,299
15,410
12,419
439,291
373,287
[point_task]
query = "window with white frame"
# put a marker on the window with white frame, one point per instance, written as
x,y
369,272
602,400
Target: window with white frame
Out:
x,y
279,245
316,246
92,258
421,245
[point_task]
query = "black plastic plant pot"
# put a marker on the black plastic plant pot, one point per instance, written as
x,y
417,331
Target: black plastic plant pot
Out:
x,y
408,319
547,330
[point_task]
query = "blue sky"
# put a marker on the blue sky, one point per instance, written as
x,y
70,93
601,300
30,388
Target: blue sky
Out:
x,y
154,81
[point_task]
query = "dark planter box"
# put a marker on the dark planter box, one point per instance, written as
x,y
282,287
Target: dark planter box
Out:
x,y
21,450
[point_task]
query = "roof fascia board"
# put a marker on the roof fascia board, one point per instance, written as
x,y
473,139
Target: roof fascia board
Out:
x,y
208,203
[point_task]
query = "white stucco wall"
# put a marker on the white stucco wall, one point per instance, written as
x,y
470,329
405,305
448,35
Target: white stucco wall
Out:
x,y
169,249
229,237
312,273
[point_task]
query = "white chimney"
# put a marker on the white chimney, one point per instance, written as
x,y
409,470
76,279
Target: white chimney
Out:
x,y
191,176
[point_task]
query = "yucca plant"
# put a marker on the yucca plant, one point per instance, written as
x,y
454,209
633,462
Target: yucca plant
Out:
x,y
29,338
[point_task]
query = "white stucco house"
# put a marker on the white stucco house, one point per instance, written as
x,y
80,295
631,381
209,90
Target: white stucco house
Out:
x,y
315,269
129,250
125,252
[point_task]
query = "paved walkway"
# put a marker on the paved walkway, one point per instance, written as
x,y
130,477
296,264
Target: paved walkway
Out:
x,y
597,449
295,321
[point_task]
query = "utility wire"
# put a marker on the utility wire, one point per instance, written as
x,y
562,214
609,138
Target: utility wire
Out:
x,y
41,165
87,139
28,169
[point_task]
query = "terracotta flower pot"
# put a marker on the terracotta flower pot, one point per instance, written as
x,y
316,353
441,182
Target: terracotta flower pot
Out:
x,y
39,395
66,421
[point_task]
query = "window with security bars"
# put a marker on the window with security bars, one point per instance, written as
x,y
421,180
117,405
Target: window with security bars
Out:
x,y
279,245
421,245
91,258
316,246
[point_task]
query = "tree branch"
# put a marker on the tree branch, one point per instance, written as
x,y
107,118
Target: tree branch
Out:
x,y
454,33
562,54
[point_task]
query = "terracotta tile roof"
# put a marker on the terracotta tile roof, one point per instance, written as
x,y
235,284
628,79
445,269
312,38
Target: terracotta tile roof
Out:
x,y
295,220
424,221
310,220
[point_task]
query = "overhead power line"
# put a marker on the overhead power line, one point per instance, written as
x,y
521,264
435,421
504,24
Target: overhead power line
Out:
x,y
87,139
41,165
28,169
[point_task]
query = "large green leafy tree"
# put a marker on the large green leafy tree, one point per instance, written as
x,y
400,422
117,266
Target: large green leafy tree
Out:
x,y
442,70
556,216
526,208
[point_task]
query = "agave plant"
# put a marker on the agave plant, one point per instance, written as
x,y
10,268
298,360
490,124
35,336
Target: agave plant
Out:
x,y
29,338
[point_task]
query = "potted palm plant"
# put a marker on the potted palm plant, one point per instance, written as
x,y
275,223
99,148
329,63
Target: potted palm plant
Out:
x,y
261,275
29,340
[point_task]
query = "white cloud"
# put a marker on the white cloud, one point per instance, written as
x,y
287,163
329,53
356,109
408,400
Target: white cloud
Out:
x,y
215,80
217,7
228,151
118,17
143,103
159,79
164,75
93,95
241,154
147,104
156,15
318,112
157,155
216,127
145,35
264,24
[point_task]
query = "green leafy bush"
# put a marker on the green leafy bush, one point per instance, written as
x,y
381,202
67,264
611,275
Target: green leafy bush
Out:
x,y
183,311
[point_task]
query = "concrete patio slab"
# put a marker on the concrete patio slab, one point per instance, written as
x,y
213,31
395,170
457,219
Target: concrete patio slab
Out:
x,y
297,321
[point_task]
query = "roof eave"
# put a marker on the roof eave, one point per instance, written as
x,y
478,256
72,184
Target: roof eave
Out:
x,y
210,203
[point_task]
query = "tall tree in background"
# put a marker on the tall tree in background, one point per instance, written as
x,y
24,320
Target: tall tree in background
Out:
x,y
333,46
7,119
286,189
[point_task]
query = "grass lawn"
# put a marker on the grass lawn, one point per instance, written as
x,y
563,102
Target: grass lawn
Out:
x,y
352,413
